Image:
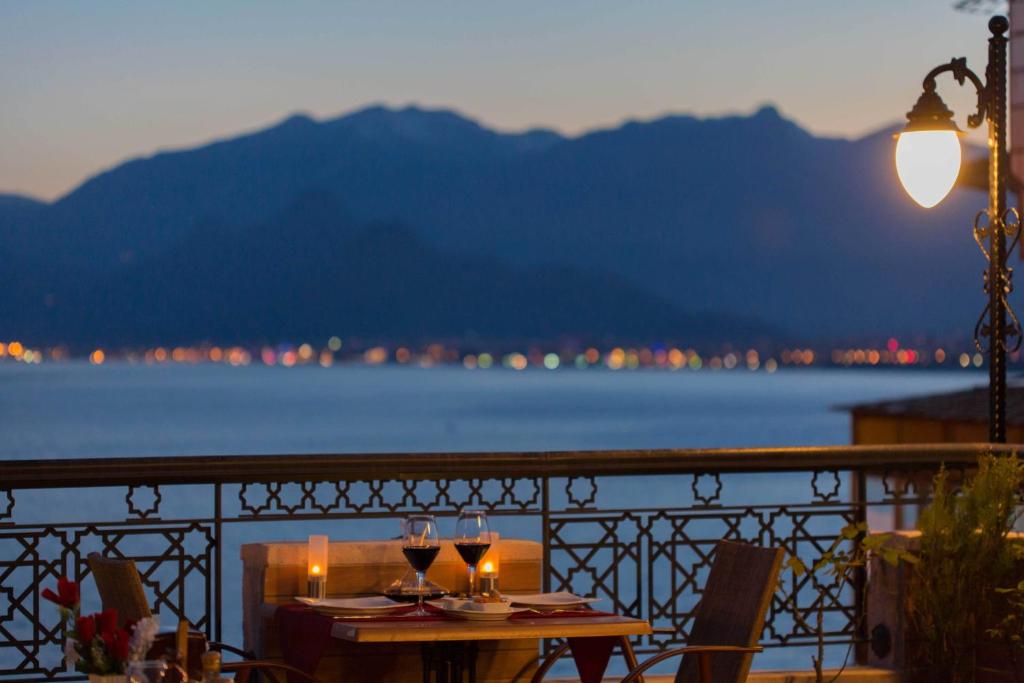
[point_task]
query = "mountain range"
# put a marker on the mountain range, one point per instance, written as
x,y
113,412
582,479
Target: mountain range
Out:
x,y
413,224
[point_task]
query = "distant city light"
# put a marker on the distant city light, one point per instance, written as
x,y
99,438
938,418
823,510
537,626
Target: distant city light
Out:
x,y
334,344
654,356
375,356
516,361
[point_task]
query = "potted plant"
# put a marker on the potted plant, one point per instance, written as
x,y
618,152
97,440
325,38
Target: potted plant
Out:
x,y
962,601
95,644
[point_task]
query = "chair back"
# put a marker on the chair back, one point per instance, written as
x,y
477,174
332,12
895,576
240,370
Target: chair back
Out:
x,y
732,609
120,587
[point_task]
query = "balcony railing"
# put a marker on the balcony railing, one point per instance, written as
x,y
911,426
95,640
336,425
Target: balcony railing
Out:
x,y
633,527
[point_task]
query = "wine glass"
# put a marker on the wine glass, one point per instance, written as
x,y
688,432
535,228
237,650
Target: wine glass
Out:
x,y
420,545
472,539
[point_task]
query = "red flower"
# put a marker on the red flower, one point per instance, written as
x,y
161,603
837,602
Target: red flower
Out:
x,y
106,621
67,595
85,629
117,642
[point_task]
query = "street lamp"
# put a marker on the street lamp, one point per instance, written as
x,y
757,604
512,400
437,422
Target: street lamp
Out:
x,y
928,161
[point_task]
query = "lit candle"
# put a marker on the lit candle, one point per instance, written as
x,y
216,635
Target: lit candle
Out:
x,y
316,567
489,565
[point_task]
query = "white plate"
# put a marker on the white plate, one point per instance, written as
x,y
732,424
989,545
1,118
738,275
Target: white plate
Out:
x,y
371,604
551,601
478,615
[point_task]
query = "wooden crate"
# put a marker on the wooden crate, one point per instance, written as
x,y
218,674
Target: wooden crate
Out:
x,y
274,573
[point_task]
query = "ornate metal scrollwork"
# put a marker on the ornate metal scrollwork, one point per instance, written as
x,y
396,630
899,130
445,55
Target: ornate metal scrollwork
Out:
x,y
1010,225
961,74
149,511
826,495
708,497
583,501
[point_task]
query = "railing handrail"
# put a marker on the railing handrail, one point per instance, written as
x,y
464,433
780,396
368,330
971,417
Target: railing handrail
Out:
x,y
227,469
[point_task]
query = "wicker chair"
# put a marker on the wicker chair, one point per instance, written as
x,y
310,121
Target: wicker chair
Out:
x,y
120,586
728,621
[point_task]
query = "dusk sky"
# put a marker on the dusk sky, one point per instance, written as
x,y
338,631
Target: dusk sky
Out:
x,y
88,84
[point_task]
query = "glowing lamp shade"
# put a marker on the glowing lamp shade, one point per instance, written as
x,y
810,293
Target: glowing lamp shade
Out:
x,y
928,163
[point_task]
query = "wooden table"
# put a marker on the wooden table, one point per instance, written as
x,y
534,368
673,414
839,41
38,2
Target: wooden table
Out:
x,y
461,636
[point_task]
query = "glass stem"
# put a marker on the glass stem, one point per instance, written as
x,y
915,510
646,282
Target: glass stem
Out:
x,y
420,579
472,579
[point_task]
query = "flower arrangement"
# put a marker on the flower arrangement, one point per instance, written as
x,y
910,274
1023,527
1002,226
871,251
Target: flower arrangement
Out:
x,y
96,645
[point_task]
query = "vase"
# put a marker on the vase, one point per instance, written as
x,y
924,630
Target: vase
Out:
x,y
107,678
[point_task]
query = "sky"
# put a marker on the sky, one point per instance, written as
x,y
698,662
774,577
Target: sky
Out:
x,y
87,85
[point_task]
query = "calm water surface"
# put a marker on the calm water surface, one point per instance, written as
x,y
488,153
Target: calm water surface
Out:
x,y
78,410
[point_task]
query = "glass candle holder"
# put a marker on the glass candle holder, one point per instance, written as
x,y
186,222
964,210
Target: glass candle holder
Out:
x,y
316,568
489,567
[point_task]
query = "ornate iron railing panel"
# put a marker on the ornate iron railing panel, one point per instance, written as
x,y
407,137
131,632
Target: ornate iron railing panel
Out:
x,y
636,528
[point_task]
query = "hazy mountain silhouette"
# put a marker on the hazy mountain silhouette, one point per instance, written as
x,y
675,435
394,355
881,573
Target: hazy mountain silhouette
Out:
x,y
747,216
312,272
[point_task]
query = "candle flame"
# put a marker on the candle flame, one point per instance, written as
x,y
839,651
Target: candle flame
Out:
x,y
488,567
315,569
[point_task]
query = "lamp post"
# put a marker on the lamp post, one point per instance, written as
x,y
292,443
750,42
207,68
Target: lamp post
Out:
x,y
928,162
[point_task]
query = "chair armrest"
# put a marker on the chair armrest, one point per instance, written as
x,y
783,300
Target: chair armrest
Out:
x,y
244,670
549,662
702,651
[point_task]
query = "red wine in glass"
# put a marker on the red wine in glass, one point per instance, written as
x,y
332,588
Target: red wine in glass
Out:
x,y
420,545
420,557
472,552
472,539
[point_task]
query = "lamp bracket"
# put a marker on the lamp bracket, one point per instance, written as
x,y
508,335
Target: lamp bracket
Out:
x,y
961,74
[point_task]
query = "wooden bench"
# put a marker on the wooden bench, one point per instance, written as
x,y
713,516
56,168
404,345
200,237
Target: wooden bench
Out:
x,y
274,573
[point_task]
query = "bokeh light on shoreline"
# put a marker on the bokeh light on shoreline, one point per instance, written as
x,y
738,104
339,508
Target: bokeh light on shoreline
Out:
x,y
329,353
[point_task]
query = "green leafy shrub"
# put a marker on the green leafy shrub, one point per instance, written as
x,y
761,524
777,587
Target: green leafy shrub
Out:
x,y
966,561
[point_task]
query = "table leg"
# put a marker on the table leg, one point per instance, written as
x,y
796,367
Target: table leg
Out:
x,y
427,656
471,652
454,663
451,661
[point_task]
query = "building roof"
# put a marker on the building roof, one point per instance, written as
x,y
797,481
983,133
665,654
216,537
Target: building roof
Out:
x,y
970,405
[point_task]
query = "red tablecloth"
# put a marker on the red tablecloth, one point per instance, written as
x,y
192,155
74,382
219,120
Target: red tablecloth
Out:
x,y
305,634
